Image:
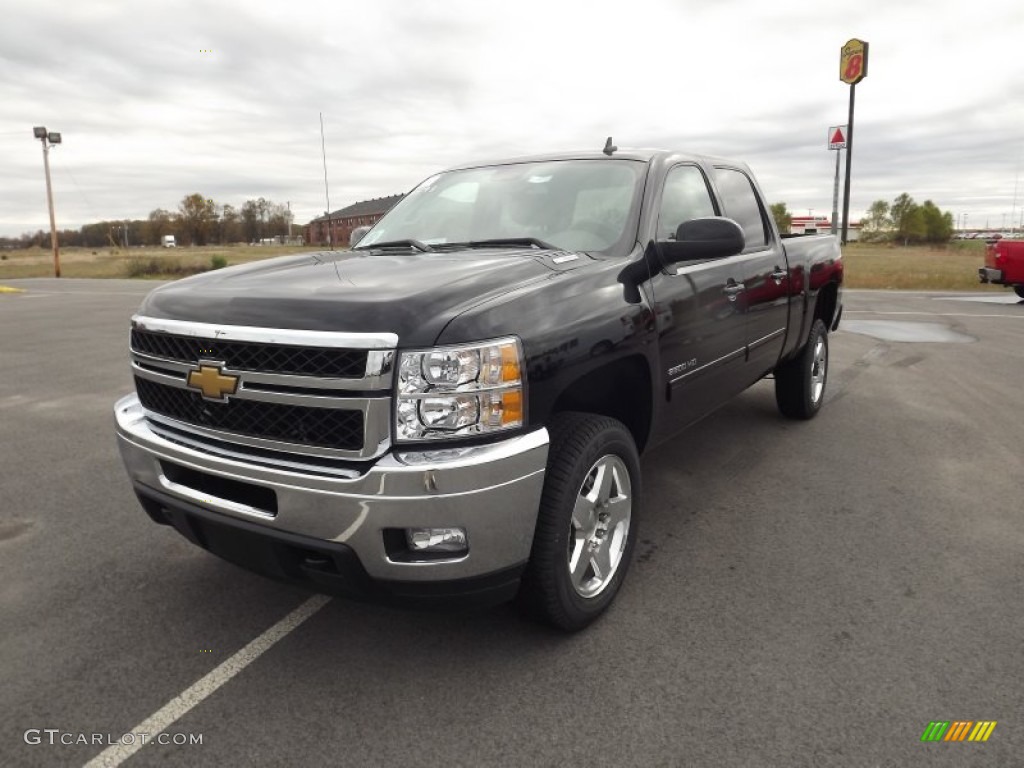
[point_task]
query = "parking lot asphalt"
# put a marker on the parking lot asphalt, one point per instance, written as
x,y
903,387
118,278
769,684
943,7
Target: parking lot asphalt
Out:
x,y
802,594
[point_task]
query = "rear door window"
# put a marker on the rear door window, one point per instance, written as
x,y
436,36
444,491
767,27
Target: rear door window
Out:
x,y
742,206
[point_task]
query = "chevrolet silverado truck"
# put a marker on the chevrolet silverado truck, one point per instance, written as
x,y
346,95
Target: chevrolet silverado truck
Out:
x,y
454,409
1004,264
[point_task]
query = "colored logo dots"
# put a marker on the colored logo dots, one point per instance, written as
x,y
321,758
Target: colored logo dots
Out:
x,y
958,730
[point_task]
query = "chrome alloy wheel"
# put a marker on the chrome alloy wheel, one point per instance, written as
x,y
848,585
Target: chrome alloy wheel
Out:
x,y
819,369
599,528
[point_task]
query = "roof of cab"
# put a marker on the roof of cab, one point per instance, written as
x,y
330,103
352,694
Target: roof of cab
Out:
x,y
644,155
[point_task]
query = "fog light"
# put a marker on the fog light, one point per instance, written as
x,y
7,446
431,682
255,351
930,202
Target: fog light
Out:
x,y
436,539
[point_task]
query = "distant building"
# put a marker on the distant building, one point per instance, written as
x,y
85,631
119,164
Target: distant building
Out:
x,y
821,225
339,224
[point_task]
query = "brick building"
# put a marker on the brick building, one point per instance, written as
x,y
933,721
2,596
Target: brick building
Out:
x,y
343,221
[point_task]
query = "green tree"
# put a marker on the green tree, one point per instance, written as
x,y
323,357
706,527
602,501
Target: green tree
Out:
x,y
877,224
102,234
251,222
160,223
278,219
197,215
783,218
938,225
908,224
230,225
915,229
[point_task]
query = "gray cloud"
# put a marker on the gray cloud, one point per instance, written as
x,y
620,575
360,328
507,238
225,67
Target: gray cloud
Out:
x,y
410,88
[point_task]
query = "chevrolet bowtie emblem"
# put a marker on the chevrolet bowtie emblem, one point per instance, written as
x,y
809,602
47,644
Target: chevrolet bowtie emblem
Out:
x,y
214,384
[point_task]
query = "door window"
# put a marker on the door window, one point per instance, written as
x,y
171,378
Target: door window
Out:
x,y
741,206
685,197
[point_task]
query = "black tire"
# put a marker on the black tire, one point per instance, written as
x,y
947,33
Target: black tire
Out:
x,y
1019,290
800,382
580,444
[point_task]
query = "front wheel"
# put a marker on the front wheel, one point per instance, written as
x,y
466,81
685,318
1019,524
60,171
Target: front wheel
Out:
x,y
587,522
800,382
1019,290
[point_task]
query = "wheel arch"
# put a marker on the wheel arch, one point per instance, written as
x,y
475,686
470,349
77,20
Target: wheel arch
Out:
x,y
620,389
826,304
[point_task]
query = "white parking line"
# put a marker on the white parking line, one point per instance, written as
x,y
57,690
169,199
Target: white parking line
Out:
x,y
930,314
32,293
189,698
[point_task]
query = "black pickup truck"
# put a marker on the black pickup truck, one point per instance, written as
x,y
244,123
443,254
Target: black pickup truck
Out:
x,y
454,409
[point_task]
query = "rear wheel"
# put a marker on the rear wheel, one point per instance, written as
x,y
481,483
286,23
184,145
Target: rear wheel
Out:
x,y
586,526
800,382
1019,290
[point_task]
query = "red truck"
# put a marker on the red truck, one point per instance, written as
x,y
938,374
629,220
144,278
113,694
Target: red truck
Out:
x,y
1004,264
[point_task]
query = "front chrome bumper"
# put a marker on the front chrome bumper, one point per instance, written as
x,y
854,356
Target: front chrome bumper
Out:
x,y
492,491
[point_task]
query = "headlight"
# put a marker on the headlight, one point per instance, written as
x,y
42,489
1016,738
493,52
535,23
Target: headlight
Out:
x,y
469,389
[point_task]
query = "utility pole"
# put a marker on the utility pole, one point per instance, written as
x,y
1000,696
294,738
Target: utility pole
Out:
x,y
48,140
289,221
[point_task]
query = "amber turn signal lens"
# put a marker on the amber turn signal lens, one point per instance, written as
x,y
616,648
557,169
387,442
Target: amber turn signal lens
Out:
x,y
512,407
509,363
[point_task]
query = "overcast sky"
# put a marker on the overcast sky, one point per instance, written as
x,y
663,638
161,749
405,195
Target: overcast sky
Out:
x,y
157,100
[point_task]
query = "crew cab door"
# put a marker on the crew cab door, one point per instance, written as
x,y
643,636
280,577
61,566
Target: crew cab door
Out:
x,y
763,271
700,322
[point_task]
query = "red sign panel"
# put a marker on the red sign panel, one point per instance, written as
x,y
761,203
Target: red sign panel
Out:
x,y
837,137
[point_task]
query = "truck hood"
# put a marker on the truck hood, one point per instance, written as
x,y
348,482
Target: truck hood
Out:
x,y
412,294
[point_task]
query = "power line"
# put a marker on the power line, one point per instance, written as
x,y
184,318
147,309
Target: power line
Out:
x,y
85,198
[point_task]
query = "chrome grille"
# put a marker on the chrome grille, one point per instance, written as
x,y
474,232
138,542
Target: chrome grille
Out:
x,y
323,427
319,395
250,356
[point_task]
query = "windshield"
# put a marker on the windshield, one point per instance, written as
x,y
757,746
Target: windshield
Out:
x,y
575,205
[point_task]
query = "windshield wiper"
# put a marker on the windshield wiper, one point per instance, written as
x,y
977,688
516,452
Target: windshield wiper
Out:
x,y
499,242
415,244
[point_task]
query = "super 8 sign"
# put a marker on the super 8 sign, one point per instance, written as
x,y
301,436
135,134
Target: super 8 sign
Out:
x,y
853,61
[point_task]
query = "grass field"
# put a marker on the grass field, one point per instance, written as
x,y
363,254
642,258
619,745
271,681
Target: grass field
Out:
x,y
922,268
916,268
155,263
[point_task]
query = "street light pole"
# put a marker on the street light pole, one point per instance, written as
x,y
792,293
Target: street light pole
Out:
x,y
49,139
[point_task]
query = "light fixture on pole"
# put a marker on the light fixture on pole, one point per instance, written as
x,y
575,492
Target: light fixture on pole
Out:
x,y
49,138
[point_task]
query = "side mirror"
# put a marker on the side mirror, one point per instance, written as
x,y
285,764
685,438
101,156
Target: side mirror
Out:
x,y
357,235
712,237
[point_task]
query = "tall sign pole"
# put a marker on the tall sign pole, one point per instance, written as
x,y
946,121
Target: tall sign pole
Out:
x,y
853,67
835,197
837,142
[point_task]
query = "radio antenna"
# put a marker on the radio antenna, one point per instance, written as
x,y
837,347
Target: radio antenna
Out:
x,y
327,189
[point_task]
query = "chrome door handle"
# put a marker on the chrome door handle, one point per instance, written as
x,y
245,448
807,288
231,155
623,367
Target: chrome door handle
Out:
x,y
732,290
779,275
